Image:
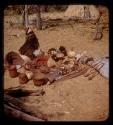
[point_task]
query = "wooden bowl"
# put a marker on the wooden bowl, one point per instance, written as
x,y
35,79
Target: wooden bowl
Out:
x,y
40,82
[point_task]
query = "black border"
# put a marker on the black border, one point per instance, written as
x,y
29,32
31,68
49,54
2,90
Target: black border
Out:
x,y
107,3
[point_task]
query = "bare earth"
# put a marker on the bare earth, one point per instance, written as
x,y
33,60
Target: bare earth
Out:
x,y
77,99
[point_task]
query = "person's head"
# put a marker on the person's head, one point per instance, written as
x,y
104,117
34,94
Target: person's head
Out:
x,y
28,30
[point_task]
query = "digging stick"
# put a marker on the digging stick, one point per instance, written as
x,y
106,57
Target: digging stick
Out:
x,y
19,114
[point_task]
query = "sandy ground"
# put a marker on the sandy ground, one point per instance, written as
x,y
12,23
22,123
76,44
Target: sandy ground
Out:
x,y
77,99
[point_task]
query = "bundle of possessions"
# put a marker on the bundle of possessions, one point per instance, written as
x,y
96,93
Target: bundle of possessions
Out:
x,y
57,64
31,63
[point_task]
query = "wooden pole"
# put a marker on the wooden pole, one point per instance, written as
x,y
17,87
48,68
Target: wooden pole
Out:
x,y
39,20
19,105
19,114
26,16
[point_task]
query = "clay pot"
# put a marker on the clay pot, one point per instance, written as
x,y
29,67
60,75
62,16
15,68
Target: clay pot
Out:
x,y
40,82
39,79
44,69
51,78
23,78
43,58
13,71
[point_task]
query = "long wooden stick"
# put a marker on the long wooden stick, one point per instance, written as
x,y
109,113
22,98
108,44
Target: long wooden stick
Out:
x,y
93,71
73,74
19,105
96,72
12,112
19,92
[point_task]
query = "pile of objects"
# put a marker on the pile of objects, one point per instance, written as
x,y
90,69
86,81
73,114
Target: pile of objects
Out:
x,y
31,63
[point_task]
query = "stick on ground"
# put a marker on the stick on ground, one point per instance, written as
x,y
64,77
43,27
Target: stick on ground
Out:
x,y
19,114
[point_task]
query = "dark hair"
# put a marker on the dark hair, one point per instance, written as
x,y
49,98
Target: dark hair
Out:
x,y
63,50
51,49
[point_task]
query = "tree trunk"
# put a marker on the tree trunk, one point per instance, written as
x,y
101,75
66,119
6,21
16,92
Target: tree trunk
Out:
x,y
26,16
23,17
86,12
39,20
